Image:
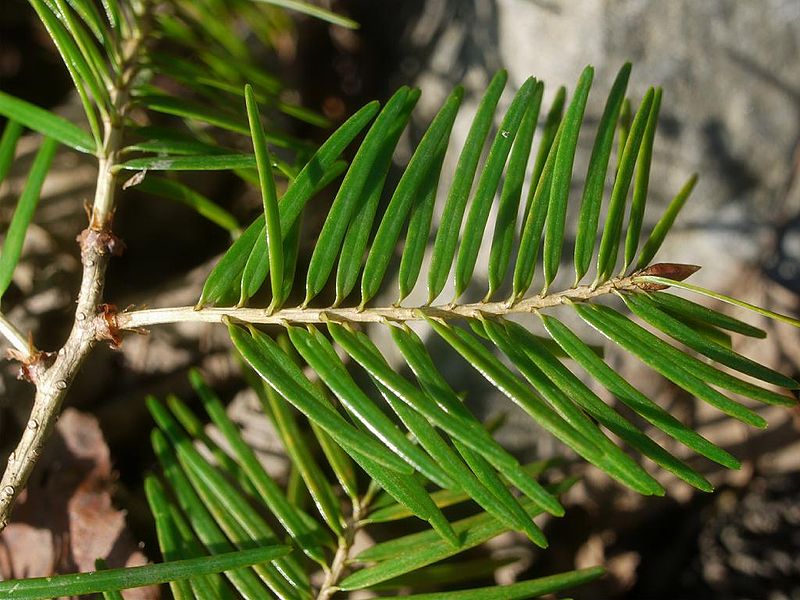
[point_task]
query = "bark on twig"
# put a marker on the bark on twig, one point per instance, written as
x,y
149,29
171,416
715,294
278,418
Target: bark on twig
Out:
x,y
97,245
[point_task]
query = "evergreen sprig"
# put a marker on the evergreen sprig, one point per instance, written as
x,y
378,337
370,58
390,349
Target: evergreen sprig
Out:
x,y
370,441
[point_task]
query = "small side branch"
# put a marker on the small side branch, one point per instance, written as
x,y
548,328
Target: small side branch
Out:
x,y
342,556
138,319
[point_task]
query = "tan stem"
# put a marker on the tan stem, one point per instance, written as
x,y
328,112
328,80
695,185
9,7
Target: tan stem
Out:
x,y
342,556
145,318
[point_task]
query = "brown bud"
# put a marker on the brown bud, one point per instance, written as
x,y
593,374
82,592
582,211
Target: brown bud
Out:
x,y
674,271
101,242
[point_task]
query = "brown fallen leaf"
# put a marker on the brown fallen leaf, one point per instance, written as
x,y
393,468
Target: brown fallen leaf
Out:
x,y
65,519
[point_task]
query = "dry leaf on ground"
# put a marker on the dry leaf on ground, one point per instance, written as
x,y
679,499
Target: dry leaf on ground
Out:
x,y
65,519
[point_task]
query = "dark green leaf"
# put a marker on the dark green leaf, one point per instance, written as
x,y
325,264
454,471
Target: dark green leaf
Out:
x,y
360,227
444,498
410,493
663,281
87,10
501,377
207,587
269,361
196,429
8,146
95,582
23,213
295,521
533,225
444,247
78,69
676,329
88,48
611,459
691,310
257,267
592,198
204,525
349,196
291,251
210,162
317,351
508,505
677,366
321,491
625,118
230,510
269,196
641,183
458,425
296,491
433,383
419,360
653,243
521,590
112,13
487,187
562,178
610,240
314,11
551,126
491,499
506,223
410,192
225,279
575,389
419,224
223,283
169,540
632,397
723,338
47,123
341,464
411,552
57,18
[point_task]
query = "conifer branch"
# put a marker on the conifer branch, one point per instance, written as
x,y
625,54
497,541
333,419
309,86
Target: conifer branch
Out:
x,y
138,319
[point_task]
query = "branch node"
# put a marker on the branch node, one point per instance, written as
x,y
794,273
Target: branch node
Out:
x,y
327,316
31,366
99,242
106,327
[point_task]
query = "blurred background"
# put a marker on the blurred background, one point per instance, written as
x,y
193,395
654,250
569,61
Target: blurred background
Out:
x,y
731,113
